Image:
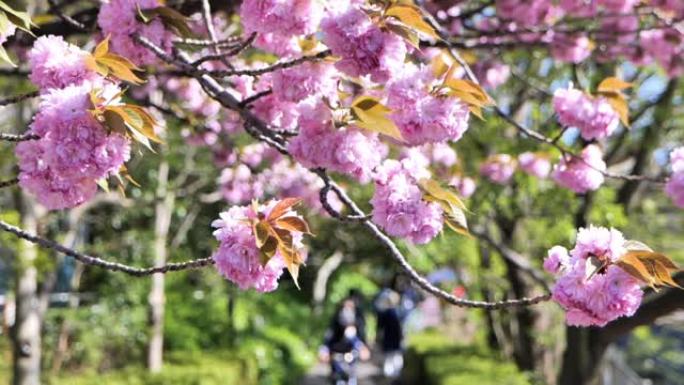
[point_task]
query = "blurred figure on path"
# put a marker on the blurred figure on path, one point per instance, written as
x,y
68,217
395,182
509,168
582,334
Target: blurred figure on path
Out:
x,y
392,305
343,345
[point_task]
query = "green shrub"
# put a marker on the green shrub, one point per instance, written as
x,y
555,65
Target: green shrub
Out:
x,y
213,368
434,360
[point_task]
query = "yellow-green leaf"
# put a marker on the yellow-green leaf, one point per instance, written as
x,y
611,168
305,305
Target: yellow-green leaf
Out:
x,y
103,184
114,121
5,57
411,16
21,20
262,231
446,194
613,84
619,104
268,249
102,48
406,33
441,63
120,67
373,116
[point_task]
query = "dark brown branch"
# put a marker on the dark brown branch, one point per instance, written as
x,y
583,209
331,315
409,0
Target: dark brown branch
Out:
x,y
107,265
9,183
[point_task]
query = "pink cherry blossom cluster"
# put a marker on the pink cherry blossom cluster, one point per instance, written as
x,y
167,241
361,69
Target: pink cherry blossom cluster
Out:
x,y
618,33
499,168
119,20
348,150
422,116
596,299
491,73
74,150
594,117
535,164
364,48
583,173
675,185
56,63
238,258
398,204
278,23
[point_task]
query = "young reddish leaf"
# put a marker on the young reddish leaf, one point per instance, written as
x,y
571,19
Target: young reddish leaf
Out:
x,y
411,16
282,207
293,224
654,269
372,115
292,261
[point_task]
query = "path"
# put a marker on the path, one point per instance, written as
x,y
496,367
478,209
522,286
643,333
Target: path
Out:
x,y
369,374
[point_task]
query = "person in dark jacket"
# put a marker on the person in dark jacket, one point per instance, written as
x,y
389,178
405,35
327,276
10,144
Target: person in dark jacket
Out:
x,y
343,345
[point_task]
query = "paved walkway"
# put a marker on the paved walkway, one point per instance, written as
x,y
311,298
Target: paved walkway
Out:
x,y
369,374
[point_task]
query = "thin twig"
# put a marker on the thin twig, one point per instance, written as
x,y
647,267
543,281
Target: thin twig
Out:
x,y
260,71
18,98
18,138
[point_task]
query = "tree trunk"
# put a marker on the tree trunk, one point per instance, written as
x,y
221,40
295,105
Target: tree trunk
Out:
x,y
582,357
163,212
26,338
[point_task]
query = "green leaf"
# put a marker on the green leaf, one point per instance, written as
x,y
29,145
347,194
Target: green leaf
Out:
x,y
411,16
171,18
103,184
21,20
372,115
452,206
5,57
